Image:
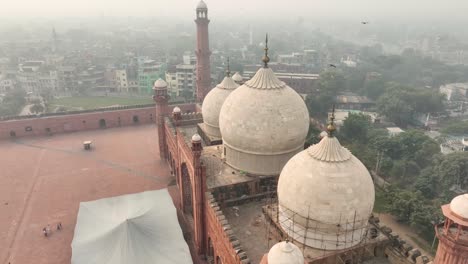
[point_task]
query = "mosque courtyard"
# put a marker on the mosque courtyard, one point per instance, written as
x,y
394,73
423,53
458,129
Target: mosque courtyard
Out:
x,y
43,180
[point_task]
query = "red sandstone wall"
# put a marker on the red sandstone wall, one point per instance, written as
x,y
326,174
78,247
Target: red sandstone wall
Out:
x,y
41,126
226,247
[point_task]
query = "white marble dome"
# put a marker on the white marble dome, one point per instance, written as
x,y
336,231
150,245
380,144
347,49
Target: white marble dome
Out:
x,y
237,77
263,124
326,194
459,205
212,105
160,83
285,253
202,5
176,110
196,138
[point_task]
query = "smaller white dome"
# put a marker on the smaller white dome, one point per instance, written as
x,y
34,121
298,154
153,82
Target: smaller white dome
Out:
x,y
176,110
196,138
202,5
459,205
285,253
160,83
237,77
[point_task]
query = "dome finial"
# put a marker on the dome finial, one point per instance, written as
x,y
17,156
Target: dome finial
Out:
x,y
265,58
228,71
331,125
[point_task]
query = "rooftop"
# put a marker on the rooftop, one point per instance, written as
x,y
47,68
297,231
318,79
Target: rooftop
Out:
x,y
256,236
55,174
218,172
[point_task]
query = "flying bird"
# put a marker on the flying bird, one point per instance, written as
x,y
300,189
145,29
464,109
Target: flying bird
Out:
x,y
365,22
332,65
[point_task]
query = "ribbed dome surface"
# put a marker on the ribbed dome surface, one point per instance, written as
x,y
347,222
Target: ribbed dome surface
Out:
x,y
212,105
263,124
326,194
237,77
329,149
266,79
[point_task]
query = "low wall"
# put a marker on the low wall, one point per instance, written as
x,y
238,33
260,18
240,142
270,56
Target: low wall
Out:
x,y
80,121
223,246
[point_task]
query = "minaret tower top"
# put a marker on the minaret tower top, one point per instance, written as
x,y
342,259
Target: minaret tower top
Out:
x,y
203,52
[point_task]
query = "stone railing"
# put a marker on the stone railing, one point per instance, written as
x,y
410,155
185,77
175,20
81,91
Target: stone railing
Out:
x,y
112,108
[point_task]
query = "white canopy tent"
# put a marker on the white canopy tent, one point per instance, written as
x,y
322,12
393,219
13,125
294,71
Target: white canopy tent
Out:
x,y
139,228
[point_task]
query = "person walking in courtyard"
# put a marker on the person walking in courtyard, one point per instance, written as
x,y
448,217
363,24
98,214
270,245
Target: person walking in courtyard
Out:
x,y
44,230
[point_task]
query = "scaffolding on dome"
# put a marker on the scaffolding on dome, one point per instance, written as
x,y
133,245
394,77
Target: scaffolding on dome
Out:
x,y
354,250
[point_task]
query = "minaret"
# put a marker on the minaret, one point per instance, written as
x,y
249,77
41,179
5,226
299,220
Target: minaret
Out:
x,y
161,98
203,52
54,40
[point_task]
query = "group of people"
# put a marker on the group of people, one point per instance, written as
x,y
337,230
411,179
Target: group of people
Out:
x,y
47,230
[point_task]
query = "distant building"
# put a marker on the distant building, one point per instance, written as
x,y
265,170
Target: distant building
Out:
x,y
354,102
67,78
91,78
349,63
121,80
394,131
148,72
181,81
454,91
6,82
49,81
28,75
342,114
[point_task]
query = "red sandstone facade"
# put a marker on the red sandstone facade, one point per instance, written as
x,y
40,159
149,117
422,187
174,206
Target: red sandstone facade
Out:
x,y
203,54
86,120
453,239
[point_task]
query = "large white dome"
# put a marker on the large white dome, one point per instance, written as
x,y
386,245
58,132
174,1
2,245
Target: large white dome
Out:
x,y
263,124
326,194
459,205
285,253
212,105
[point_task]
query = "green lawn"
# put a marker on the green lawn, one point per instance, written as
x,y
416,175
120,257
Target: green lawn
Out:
x,y
82,103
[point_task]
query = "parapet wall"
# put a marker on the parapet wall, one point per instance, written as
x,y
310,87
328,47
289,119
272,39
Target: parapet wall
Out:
x,y
43,125
223,246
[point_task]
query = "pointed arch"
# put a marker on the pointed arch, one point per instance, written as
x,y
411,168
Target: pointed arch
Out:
x,y
187,192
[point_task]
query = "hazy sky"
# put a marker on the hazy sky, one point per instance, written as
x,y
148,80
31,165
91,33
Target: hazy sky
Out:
x,y
347,9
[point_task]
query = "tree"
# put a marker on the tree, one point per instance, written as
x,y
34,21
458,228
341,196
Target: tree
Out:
x,y
374,88
451,169
331,82
13,102
37,108
356,127
394,105
313,136
318,106
456,128
403,203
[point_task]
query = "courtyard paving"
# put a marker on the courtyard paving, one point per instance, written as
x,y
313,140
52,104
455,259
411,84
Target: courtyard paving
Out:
x,y
43,180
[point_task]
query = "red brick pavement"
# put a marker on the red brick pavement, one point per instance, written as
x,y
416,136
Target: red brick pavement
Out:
x,y
43,180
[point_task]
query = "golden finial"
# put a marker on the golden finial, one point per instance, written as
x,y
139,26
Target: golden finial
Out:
x,y
228,71
265,58
331,125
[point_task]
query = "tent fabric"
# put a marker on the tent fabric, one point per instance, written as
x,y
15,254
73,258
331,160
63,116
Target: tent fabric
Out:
x,y
139,228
